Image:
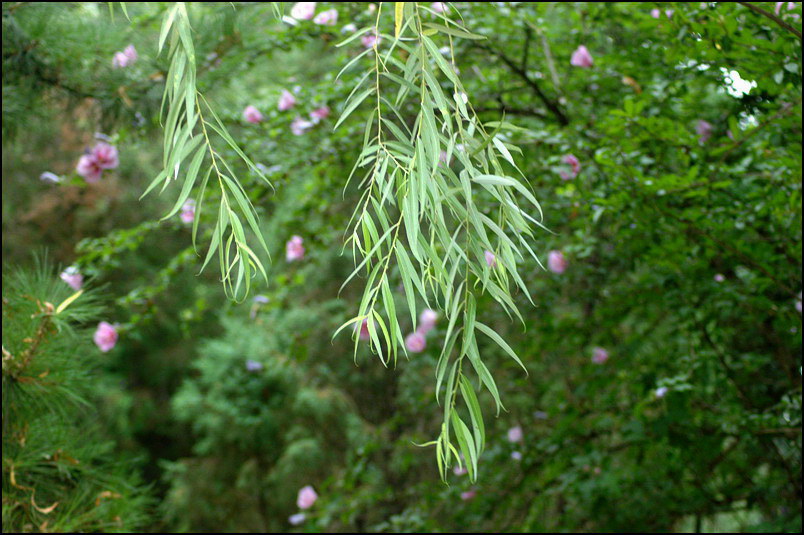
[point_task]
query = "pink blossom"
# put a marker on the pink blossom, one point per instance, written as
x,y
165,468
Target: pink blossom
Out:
x,y
299,126
655,13
557,262
575,166
253,115
704,130
491,260
364,330
515,434
669,13
460,470
303,10
439,7
286,100
319,114
581,57
599,355
294,250
307,497
790,6
89,168
370,39
187,213
73,277
125,58
105,336
296,519
468,495
427,320
327,18
105,155
719,277
415,342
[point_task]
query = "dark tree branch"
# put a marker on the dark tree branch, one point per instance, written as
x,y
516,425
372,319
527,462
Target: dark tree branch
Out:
x,y
772,17
516,69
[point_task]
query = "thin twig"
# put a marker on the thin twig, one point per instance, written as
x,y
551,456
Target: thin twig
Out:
x,y
773,17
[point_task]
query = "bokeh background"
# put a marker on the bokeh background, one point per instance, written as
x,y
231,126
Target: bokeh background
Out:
x,y
682,241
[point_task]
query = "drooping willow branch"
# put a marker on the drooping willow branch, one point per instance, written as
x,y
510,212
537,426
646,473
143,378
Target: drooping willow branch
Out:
x,y
191,129
439,207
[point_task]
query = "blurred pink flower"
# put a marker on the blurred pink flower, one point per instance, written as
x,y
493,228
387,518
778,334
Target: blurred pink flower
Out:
x,y
307,497
89,168
415,342
296,519
105,336
515,434
303,10
599,355
575,166
661,392
669,13
253,115
719,277
704,130
655,13
491,260
364,330
299,126
319,114
581,57
125,58
294,250
105,155
73,277
286,100
349,28
427,320
790,6
468,495
187,213
370,39
556,262
460,470
327,18
439,7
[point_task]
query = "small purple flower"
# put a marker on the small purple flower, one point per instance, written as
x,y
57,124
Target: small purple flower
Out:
x,y
253,365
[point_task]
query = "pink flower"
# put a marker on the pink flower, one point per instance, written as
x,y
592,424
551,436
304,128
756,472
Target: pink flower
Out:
x,y
460,470
327,18
88,168
491,260
253,115
515,434
415,342
294,250
556,262
575,166
599,355
439,7
125,58
105,156
468,495
105,336
72,277
581,57
187,213
427,320
299,126
704,130
319,114
307,497
286,100
661,392
364,330
303,10
296,519
655,13
669,13
790,6
719,277
370,39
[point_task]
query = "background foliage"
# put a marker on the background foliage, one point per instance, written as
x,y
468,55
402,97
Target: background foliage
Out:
x,y
684,264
